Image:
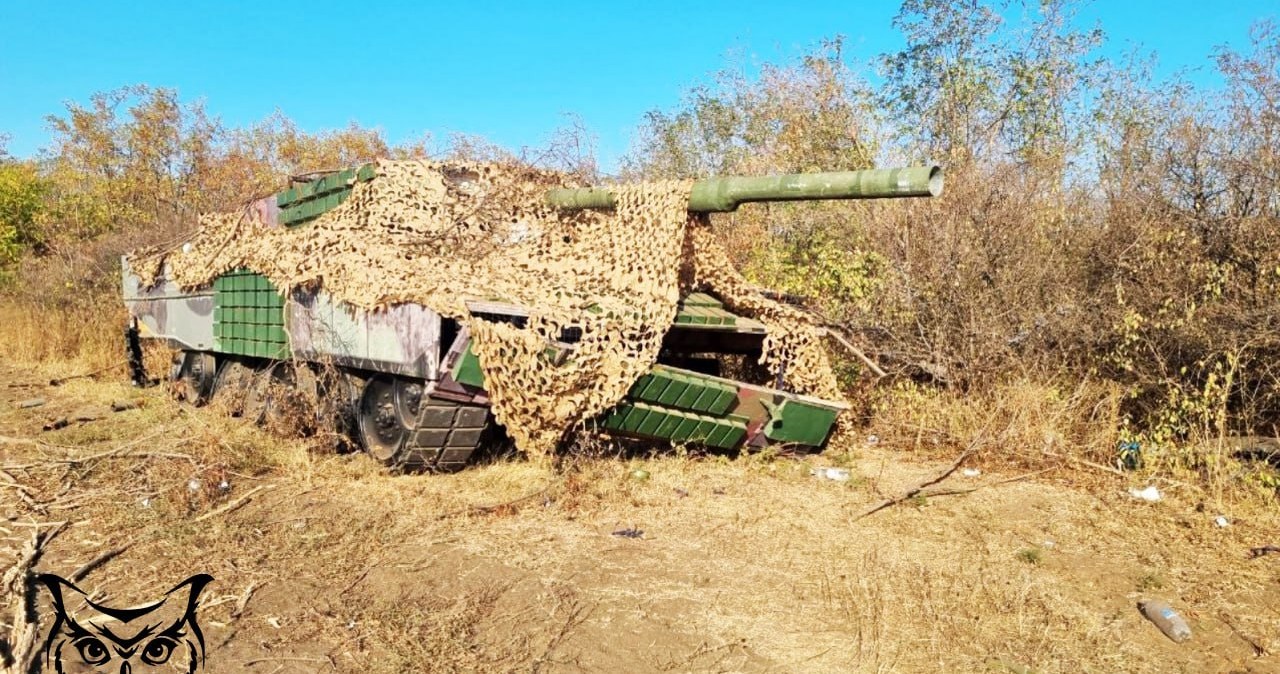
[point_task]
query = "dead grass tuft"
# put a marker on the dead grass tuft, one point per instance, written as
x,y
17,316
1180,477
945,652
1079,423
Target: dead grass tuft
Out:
x,y
745,563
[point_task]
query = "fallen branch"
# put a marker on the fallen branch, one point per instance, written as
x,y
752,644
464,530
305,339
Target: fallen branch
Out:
x,y
915,491
243,602
285,658
486,509
62,380
1087,463
871,364
927,493
1255,553
97,562
224,509
26,495
352,584
17,582
1258,649
118,452
110,454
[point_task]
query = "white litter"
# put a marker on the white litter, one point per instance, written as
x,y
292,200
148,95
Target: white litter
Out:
x,y
971,472
1222,521
1150,494
837,474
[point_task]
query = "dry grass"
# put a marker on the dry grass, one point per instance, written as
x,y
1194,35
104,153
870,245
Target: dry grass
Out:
x,y
1031,425
746,564
64,339
1024,422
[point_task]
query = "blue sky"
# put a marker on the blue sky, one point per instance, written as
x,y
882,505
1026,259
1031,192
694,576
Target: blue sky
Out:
x,y
509,71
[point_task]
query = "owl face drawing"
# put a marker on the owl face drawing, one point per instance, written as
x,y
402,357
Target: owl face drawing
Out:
x,y
159,637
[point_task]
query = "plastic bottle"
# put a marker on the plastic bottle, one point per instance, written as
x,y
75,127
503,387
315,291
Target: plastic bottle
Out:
x,y
1166,619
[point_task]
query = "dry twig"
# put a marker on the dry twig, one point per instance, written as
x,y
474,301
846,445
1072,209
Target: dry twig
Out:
x,y
19,652
97,562
1255,553
917,489
286,658
866,360
486,509
222,510
243,602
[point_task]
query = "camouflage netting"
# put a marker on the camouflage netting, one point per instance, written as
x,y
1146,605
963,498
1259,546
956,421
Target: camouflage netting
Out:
x,y
445,234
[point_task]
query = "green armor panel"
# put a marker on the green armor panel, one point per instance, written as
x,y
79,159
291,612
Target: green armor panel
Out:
x,y
248,316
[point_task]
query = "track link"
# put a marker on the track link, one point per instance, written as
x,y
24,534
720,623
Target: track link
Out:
x,y
445,436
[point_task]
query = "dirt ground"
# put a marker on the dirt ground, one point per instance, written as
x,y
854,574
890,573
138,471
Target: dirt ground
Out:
x,y
322,562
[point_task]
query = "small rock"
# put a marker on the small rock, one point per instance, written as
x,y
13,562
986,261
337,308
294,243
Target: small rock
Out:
x,y
971,472
1222,521
193,485
60,422
122,405
629,532
33,402
873,439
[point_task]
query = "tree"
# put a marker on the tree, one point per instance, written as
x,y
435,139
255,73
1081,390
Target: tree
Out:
x,y
968,88
810,115
22,194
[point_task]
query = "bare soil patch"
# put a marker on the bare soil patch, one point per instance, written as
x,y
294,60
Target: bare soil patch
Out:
x,y
325,563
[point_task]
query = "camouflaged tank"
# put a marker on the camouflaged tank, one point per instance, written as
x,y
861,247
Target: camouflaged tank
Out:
x,y
404,382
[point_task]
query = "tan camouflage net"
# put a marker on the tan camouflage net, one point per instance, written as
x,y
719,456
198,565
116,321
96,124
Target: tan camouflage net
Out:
x,y
444,234
793,343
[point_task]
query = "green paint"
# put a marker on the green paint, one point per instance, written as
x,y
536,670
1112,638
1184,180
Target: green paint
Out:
x,y
467,370
248,316
685,390
326,185
799,422
727,193
645,420
701,300
305,202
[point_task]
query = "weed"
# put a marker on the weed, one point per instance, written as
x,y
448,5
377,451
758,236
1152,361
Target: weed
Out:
x,y
1032,556
1150,581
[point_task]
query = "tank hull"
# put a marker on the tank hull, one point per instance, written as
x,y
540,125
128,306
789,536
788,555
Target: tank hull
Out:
x,y
412,390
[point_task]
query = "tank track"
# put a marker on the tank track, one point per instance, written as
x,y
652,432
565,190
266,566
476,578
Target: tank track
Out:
x,y
444,437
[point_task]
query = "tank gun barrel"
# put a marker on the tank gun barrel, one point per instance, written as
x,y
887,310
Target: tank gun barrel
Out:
x,y
721,195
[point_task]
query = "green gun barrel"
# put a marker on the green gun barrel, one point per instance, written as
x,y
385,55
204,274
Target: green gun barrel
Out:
x,y
721,195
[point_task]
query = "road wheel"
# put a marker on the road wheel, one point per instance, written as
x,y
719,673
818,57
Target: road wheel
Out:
x,y
387,415
193,376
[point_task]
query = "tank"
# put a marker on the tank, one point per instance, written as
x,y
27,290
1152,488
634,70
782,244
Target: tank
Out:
x,y
405,384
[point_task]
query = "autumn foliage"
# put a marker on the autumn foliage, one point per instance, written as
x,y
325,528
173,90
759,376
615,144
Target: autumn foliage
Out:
x,y
1099,224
